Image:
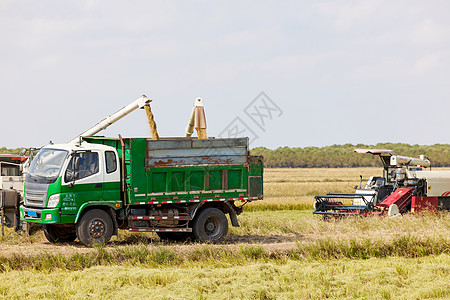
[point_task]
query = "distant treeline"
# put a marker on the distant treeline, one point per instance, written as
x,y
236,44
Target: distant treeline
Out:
x,y
5,150
338,156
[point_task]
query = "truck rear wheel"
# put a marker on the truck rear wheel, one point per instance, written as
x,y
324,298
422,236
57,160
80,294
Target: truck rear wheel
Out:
x,y
95,226
59,234
210,224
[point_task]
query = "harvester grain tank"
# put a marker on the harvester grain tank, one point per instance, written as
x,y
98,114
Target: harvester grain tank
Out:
x,y
177,187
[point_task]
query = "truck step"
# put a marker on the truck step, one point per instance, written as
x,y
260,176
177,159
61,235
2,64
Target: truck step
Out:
x,y
149,229
133,218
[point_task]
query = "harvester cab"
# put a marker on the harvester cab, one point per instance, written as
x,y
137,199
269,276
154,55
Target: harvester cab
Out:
x,y
378,187
374,190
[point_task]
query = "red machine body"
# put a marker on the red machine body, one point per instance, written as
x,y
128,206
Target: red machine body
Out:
x,y
401,198
419,204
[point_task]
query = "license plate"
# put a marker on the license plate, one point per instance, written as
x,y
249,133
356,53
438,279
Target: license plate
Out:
x,y
32,213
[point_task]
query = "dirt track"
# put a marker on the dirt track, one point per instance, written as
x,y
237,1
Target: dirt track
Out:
x,y
274,243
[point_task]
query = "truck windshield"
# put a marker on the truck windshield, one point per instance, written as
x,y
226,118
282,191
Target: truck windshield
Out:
x,y
47,165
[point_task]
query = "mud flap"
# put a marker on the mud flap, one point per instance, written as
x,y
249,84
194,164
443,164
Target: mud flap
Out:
x,y
112,214
233,217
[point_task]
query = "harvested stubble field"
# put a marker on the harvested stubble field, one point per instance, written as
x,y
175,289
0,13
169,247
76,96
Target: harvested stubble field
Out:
x,y
281,251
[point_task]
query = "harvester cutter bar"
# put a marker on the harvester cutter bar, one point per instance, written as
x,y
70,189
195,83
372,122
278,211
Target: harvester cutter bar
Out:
x,y
345,195
336,213
346,207
331,204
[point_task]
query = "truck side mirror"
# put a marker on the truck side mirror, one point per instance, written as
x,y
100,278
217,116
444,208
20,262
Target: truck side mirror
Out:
x,y
74,177
75,168
76,163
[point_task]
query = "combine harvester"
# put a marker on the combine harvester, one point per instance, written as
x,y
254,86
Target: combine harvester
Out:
x,y
407,184
177,187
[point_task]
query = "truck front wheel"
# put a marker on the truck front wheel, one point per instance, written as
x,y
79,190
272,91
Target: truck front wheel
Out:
x,y
210,224
95,226
59,234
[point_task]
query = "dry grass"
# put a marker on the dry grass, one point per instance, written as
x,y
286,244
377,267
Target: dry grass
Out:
x,y
304,223
388,278
281,251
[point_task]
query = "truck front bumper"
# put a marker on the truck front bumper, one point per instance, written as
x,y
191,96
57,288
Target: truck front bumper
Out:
x,y
37,215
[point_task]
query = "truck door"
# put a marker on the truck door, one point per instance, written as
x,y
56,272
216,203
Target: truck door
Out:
x,y
111,179
84,184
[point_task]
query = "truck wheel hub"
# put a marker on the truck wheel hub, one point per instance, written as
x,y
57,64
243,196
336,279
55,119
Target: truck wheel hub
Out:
x,y
210,226
97,228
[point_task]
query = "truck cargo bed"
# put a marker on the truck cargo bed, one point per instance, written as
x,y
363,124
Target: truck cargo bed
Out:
x,y
184,170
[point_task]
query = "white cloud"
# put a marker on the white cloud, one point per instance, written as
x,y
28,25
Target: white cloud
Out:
x,y
428,32
383,39
427,63
347,14
295,65
245,37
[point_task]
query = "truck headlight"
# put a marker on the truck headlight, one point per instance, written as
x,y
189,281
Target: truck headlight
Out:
x,y
53,200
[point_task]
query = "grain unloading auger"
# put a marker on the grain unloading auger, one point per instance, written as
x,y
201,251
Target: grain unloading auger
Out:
x,y
142,102
405,185
197,120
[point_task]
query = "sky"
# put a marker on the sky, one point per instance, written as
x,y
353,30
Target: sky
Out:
x,y
284,73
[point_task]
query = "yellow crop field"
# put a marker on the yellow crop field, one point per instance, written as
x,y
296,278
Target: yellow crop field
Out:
x,y
296,188
280,251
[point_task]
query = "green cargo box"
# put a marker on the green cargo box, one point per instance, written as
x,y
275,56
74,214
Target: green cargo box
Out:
x,y
184,170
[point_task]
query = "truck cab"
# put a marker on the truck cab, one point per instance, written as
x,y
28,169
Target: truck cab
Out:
x,y
63,180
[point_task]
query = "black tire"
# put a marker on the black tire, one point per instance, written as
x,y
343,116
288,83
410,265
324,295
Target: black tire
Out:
x,y
174,236
95,226
59,234
210,225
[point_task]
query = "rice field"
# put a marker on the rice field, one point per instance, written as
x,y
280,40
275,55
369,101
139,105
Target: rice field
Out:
x,y
280,251
296,188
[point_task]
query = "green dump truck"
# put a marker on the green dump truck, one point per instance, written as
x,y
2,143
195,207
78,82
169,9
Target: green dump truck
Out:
x,y
177,187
